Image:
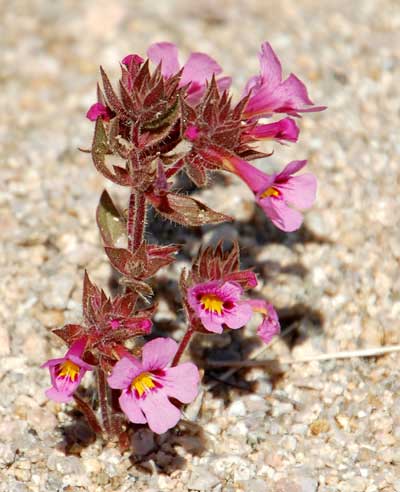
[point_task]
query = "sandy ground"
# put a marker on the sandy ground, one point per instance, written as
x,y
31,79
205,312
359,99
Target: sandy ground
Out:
x,y
320,426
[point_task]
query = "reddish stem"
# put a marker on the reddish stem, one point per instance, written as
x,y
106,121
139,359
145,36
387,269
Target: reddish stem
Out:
x,y
182,345
103,400
136,219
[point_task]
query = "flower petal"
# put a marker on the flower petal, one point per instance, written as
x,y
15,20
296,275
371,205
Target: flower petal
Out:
x,y
212,322
269,326
130,406
199,68
160,413
59,396
166,54
239,316
123,373
285,218
271,69
299,191
77,348
182,382
290,169
158,353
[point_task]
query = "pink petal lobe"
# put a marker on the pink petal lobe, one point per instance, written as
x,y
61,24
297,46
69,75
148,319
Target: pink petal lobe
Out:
x,y
271,69
296,91
130,406
166,54
291,168
299,191
160,413
212,322
77,348
182,381
224,83
59,396
283,217
239,316
269,326
199,68
123,373
158,353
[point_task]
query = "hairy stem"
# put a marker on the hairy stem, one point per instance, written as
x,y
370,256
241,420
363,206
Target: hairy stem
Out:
x,y
182,345
89,414
136,219
103,399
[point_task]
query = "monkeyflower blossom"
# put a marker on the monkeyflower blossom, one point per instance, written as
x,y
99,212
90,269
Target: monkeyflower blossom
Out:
x,y
269,94
67,372
277,193
219,303
198,69
148,384
269,326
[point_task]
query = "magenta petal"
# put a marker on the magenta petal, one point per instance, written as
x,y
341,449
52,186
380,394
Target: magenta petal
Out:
x,y
53,362
77,348
58,396
124,371
212,322
81,363
199,68
97,110
294,88
291,168
285,129
182,382
269,326
255,179
130,406
160,413
158,353
299,191
231,291
224,83
239,316
271,69
166,54
285,218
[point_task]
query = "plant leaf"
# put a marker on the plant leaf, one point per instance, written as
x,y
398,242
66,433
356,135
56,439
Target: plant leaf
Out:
x,y
112,224
186,210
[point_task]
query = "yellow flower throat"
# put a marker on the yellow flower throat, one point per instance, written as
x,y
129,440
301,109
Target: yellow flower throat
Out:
x,y
142,383
69,370
211,302
270,192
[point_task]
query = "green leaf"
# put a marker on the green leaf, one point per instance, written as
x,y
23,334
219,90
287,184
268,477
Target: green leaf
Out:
x,y
112,224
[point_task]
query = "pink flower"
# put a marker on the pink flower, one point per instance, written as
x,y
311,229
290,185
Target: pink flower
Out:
x,y
148,384
269,326
217,303
98,110
67,372
196,72
269,94
285,129
274,193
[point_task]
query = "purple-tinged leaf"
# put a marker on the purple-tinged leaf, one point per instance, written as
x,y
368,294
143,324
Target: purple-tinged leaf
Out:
x,y
185,210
